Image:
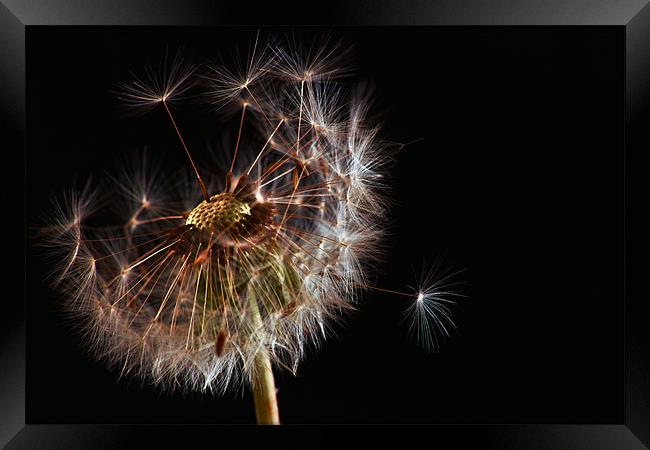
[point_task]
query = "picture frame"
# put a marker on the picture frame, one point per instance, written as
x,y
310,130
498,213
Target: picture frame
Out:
x,y
630,18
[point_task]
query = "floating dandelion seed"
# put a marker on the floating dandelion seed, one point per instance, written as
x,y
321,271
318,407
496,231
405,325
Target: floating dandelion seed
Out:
x,y
208,289
430,312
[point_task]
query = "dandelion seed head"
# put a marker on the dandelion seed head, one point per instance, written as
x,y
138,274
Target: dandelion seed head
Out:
x,y
188,285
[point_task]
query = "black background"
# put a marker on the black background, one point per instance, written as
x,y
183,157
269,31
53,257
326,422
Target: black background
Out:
x,y
518,180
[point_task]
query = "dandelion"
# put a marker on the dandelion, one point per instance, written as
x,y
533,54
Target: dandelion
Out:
x,y
209,284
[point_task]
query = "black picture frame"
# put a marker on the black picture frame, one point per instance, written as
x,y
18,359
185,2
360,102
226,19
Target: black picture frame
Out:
x,y
633,18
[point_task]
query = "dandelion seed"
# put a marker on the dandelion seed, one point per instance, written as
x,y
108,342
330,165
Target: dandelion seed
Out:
x,y
165,82
232,84
430,314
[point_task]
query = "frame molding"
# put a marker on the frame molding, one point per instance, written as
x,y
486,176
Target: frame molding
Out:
x,y
632,15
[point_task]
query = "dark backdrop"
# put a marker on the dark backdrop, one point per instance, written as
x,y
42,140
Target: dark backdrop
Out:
x,y
518,180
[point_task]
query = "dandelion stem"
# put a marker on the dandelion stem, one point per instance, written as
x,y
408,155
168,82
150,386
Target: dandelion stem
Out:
x,y
266,402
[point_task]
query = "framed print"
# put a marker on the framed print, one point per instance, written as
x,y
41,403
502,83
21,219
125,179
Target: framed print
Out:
x,y
372,219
